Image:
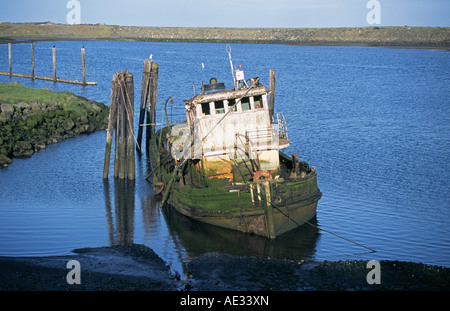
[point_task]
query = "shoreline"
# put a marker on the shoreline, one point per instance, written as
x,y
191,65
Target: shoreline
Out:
x,y
136,267
31,119
411,37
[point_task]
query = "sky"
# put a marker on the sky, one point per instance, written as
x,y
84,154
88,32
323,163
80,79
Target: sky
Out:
x,y
232,13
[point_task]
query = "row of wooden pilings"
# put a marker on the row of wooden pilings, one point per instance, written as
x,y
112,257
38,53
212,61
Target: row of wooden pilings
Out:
x,y
54,78
121,120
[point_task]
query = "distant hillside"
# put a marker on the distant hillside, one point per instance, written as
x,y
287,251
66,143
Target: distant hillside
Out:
x,y
371,36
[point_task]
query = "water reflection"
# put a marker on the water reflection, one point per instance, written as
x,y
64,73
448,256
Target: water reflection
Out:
x,y
124,204
198,238
179,238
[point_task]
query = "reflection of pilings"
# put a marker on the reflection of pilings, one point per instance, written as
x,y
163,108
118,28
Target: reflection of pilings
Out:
x,y
124,194
109,217
149,213
124,203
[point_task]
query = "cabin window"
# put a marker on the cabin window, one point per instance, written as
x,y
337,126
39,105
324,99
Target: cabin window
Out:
x,y
205,109
231,105
245,103
219,107
258,102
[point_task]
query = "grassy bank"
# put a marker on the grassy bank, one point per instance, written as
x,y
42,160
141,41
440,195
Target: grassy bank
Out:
x,y
371,36
31,118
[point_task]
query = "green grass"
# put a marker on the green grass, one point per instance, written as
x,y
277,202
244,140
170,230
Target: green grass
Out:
x,y
13,94
16,93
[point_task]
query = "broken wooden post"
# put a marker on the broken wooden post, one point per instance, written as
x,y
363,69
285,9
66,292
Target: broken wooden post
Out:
x,y
121,117
32,60
10,59
272,80
54,64
83,65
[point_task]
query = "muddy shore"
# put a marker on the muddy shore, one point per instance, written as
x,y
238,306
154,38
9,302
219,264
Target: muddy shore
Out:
x,y
137,268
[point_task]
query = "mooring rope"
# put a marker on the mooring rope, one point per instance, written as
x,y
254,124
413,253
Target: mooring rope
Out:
x,y
313,225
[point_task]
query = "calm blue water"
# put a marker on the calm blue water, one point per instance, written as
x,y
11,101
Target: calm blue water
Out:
x,y
375,122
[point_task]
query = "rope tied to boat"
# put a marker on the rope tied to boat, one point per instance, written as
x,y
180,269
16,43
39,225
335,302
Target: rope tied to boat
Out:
x,y
317,227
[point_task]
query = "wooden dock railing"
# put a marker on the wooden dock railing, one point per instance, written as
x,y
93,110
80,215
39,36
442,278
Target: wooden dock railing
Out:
x,y
46,78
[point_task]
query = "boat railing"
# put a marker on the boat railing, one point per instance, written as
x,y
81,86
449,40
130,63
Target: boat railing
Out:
x,y
263,136
282,126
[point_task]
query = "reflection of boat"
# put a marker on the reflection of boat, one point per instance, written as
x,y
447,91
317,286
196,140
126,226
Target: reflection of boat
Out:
x,y
224,167
198,238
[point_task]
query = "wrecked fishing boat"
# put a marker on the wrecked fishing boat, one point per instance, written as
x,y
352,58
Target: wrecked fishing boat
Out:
x,y
224,165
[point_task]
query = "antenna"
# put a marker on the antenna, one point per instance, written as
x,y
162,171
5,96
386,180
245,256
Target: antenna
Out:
x,y
231,64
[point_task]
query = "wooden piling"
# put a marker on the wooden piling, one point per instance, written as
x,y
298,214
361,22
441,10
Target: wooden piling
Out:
x,y
116,146
83,65
121,117
32,60
121,125
144,95
148,103
272,81
54,64
110,130
151,105
129,121
10,59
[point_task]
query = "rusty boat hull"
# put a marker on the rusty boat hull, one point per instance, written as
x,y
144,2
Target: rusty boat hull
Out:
x,y
244,216
266,208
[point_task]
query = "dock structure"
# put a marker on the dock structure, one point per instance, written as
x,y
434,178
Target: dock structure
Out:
x,y
54,78
121,119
